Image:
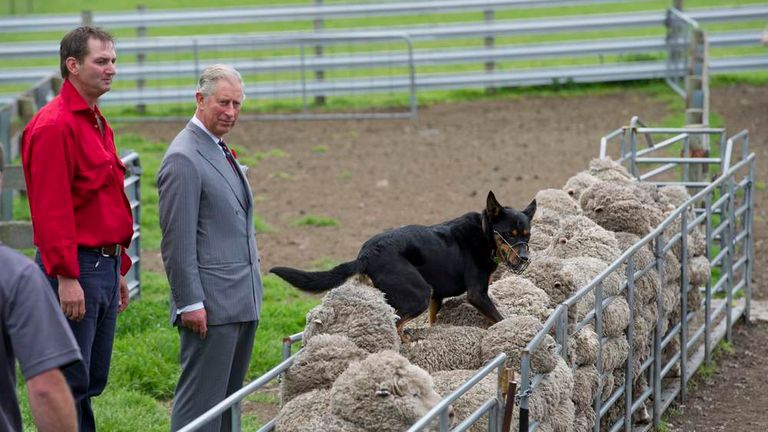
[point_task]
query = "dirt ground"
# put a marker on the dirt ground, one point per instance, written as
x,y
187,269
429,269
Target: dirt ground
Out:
x,y
369,176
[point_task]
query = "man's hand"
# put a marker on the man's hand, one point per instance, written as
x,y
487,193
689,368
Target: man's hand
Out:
x,y
197,321
124,295
71,298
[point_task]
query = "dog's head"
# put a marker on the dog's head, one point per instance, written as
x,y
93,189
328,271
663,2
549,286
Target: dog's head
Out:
x,y
508,231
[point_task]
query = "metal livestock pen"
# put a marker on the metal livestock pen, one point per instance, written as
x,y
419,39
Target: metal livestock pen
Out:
x,y
722,208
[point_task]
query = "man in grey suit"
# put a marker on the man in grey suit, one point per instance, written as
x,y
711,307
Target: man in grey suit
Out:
x,y
209,252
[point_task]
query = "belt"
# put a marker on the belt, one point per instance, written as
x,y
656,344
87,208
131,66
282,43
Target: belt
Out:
x,y
107,251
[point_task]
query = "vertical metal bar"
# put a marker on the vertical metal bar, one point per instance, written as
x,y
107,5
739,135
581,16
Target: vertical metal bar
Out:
x,y
525,387
303,68
657,335
599,362
686,153
489,42
412,77
749,226
629,369
561,332
708,292
731,232
633,150
141,81
235,413
6,197
319,74
684,304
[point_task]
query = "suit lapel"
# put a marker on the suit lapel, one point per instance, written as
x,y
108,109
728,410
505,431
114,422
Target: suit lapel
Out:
x,y
215,157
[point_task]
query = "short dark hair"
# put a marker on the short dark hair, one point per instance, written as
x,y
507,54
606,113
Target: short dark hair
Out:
x,y
75,44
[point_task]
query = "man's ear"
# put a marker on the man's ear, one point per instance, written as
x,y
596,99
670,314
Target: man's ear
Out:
x,y
492,206
530,210
73,66
199,99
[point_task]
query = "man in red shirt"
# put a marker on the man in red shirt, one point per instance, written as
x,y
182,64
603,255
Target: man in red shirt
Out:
x,y
81,216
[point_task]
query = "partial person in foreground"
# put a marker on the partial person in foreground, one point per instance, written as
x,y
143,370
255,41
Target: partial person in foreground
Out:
x,y
209,252
33,329
81,217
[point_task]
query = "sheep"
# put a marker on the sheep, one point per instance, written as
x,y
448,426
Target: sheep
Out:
x,y
577,184
441,347
448,381
548,274
457,311
580,236
698,271
616,317
584,270
563,417
358,311
516,295
512,295
583,346
557,200
318,365
553,389
586,382
310,412
645,256
609,171
384,392
620,207
615,352
544,226
585,420
511,335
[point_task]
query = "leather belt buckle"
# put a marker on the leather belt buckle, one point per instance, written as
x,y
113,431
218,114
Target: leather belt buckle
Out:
x,y
110,251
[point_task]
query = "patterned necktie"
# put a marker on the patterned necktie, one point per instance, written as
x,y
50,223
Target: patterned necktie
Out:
x,y
228,154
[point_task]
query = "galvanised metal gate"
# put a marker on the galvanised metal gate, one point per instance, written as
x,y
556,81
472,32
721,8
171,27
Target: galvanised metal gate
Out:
x,y
723,210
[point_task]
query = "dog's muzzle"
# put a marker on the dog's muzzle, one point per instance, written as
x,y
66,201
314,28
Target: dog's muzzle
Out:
x,y
515,256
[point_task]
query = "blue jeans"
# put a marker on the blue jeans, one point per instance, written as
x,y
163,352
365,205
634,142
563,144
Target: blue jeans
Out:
x,y
100,280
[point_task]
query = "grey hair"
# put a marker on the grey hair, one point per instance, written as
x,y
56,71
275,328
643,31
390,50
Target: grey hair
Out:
x,y
212,74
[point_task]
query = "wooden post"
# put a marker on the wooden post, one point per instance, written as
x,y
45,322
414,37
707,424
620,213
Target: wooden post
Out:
x,y
141,33
489,40
319,74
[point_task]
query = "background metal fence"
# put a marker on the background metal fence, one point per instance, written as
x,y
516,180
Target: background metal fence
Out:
x,y
357,60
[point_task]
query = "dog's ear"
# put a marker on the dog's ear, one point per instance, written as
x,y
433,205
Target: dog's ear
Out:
x,y
492,206
530,210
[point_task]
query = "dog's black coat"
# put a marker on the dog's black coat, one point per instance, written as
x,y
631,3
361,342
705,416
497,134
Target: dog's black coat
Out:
x,y
418,266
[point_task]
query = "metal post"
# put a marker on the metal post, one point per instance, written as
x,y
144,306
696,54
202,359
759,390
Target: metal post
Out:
x,y
599,362
683,304
236,416
489,42
730,233
141,33
6,197
629,371
657,335
749,225
86,18
319,74
708,292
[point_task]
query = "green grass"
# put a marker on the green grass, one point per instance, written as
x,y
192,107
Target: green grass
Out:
x,y
316,221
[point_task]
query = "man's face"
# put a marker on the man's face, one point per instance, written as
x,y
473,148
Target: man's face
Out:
x,y
93,77
219,111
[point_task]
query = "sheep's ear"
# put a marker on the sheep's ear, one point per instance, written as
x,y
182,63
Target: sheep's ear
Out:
x,y
492,206
530,210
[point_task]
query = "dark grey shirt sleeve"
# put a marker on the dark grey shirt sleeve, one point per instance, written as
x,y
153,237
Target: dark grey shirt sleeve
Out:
x,y
36,328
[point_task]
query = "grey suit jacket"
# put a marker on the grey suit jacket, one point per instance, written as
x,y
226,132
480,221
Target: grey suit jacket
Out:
x,y
208,246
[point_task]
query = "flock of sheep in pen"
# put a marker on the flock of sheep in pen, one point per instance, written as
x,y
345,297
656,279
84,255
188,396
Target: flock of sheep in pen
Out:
x,y
355,374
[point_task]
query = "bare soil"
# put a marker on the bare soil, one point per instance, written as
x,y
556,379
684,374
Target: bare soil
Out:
x,y
369,176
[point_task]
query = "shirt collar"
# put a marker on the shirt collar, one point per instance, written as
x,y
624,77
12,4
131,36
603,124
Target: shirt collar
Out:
x,y
73,99
196,121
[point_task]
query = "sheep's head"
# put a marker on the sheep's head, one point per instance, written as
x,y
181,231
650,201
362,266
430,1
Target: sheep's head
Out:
x,y
384,392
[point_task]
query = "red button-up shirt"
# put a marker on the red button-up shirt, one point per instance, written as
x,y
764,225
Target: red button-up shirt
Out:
x,y
75,183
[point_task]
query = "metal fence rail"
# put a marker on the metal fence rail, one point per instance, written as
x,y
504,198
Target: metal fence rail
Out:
x,y
723,209
175,18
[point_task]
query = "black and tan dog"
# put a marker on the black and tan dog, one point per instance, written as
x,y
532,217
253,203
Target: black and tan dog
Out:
x,y
418,266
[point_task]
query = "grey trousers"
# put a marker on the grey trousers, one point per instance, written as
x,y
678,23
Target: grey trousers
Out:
x,y
211,369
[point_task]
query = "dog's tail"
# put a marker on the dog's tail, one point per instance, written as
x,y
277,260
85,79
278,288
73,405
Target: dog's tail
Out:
x,y
317,281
